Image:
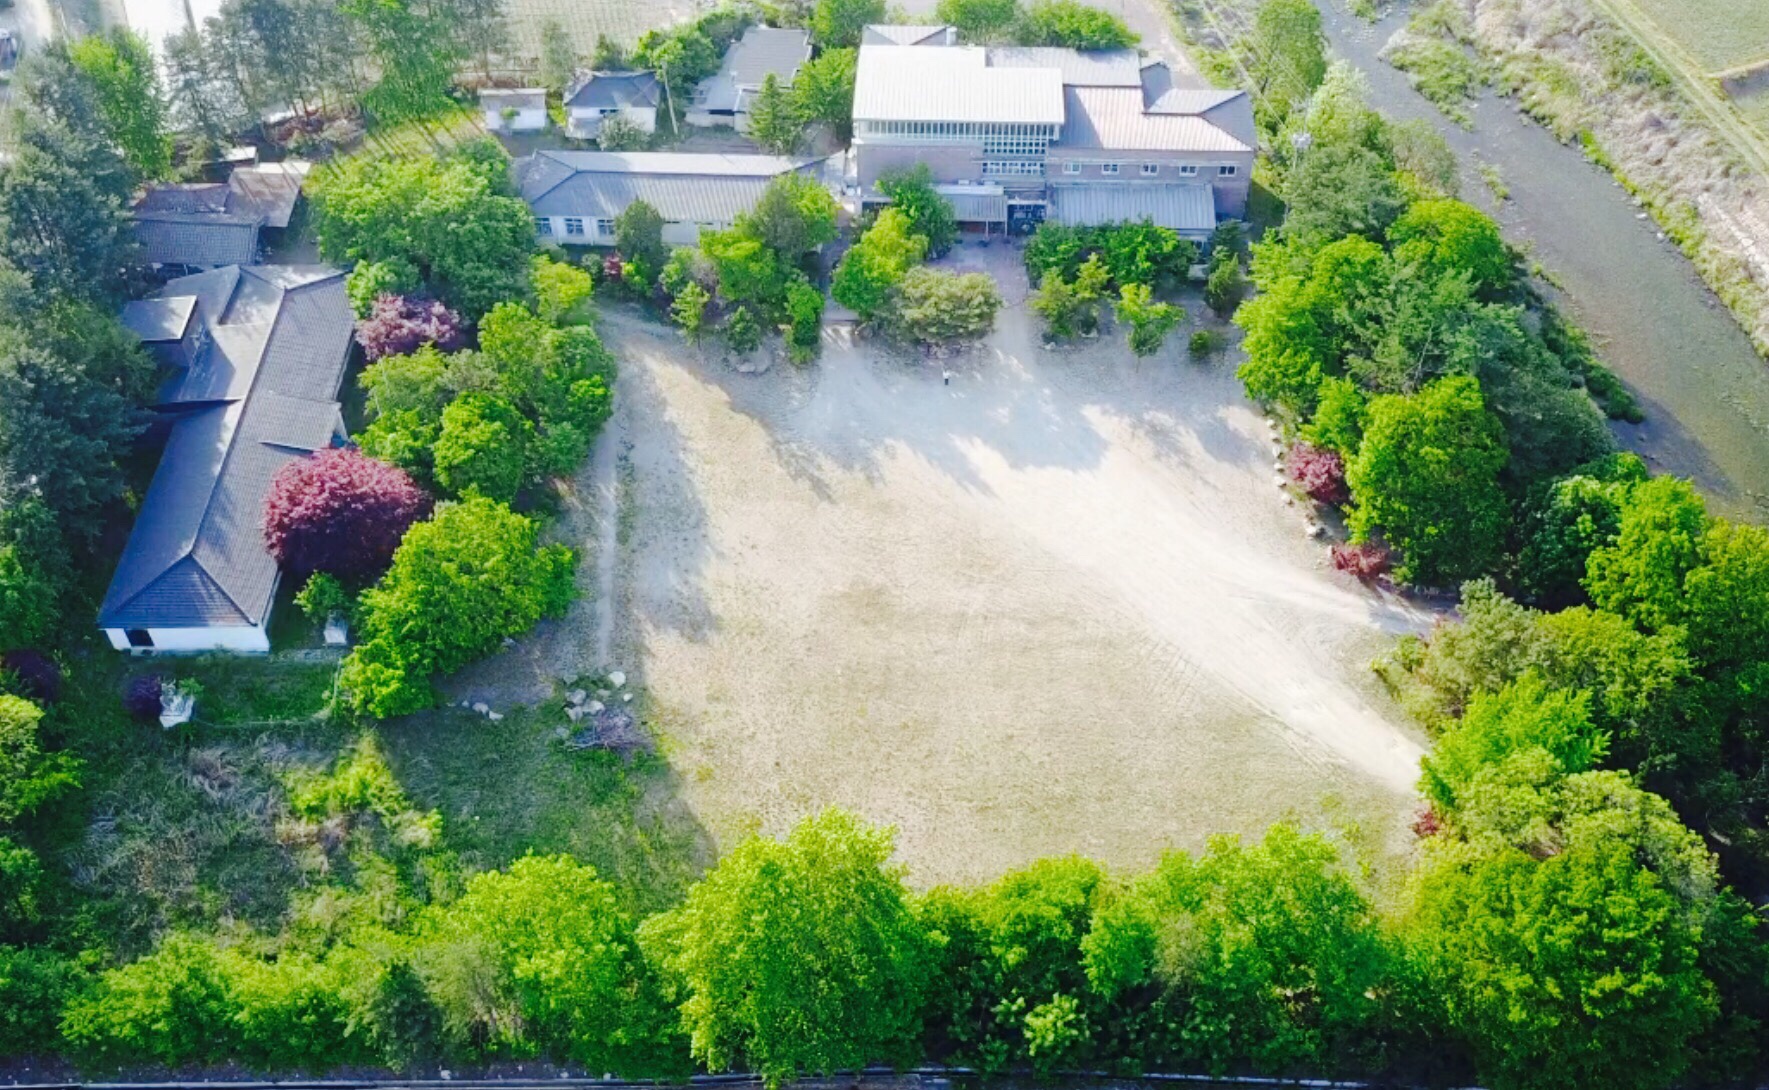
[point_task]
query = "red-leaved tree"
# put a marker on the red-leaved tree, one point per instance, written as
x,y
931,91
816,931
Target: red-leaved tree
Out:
x,y
341,512
1367,561
1320,472
400,324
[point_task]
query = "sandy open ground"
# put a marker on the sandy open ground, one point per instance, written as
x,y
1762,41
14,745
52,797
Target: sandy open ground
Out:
x,y
1058,605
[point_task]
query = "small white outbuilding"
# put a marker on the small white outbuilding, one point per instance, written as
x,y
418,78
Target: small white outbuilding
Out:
x,y
522,109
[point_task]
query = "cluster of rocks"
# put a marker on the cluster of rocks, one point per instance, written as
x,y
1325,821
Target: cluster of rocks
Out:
x,y
604,719
480,707
1310,526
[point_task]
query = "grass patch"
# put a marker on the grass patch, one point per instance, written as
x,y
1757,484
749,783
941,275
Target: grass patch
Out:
x,y
1434,51
1493,180
509,787
1719,34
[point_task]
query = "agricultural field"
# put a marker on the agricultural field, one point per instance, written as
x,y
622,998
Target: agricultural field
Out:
x,y
1720,34
584,20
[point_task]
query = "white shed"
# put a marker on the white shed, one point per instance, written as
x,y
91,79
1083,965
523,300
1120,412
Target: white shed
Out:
x,y
523,109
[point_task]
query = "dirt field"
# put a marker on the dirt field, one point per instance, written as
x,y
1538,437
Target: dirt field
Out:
x,y
1056,606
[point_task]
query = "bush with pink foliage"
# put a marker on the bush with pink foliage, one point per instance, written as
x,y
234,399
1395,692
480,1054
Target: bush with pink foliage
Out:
x,y
141,697
401,324
1320,473
1367,561
340,512
35,674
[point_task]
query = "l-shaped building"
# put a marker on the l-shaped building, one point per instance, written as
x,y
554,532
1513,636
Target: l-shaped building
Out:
x,y
1016,135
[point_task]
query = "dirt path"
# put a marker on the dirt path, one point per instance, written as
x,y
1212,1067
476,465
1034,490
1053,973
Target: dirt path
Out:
x,y
1056,606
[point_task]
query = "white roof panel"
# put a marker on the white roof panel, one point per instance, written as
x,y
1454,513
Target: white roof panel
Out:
x,y
909,83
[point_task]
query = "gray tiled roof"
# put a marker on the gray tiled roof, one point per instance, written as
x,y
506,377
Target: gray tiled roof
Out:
x,y
1079,67
615,90
159,319
907,34
761,52
215,223
261,393
683,188
1113,118
1189,208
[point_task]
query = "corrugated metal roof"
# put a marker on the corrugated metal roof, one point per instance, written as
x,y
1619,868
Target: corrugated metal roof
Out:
x,y
976,204
908,34
615,91
761,52
906,83
683,188
1190,209
1113,118
520,98
1079,68
269,380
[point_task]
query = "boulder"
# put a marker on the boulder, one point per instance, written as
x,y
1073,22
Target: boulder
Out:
x,y
616,678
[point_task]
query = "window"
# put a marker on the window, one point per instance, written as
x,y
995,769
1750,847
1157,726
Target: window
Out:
x,y
604,227
1188,170
1022,168
1149,170
1227,170
1071,167
1108,168
574,225
543,225
138,637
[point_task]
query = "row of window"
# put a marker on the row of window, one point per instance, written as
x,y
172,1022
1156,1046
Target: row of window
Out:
x,y
574,226
1150,170
957,130
1013,168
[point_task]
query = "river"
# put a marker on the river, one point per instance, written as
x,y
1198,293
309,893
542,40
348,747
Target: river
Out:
x,y
1704,389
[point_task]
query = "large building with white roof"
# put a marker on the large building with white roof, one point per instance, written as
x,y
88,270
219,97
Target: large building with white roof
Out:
x,y
1016,135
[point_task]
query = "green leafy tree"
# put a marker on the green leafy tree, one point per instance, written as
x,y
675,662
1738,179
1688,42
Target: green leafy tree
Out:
x,y
934,306
980,22
453,219
1287,56
1226,285
750,271
1061,307
1341,189
610,55
1427,475
29,599
460,583
171,1007
199,98
797,955
804,307
836,24
557,969
1340,411
1074,25
36,983
794,215
1266,956
1518,722
130,97
559,56
1144,253
1440,237
774,119
742,334
1567,521
28,776
1723,598
562,292
866,281
417,46
638,233
689,311
1578,969
1150,321
823,91
1657,543
929,214
483,447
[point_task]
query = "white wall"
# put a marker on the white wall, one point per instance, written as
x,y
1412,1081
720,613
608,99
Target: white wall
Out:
x,y
240,639
674,233
527,120
585,123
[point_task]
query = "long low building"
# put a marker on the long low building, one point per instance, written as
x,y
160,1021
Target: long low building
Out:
x,y
1016,135
576,195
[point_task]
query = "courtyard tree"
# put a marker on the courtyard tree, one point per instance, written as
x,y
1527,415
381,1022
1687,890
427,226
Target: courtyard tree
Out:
x,y
934,306
460,583
1149,320
340,512
794,215
689,311
483,448
742,334
804,309
397,325
774,119
930,215
558,65
1427,477
797,955
638,235
866,281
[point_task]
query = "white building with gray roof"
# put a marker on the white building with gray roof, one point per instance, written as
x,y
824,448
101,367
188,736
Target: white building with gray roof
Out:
x,y
724,97
255,358
597,96
1014,135
576,195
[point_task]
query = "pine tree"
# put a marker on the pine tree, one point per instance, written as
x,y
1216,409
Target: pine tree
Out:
x,y
774,120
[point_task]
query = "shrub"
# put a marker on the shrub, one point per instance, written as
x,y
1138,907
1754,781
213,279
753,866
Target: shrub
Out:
x,y
460,583
35,984
141,697
340,512
1226,285
1075,25
1150,321
35,675
483,447
398,324
938,307
1366,561
1204,343
170,1007
322,597
804,306
1319,472
742,334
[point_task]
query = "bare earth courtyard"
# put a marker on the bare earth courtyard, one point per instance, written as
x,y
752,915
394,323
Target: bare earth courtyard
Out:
x,y
1057,606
